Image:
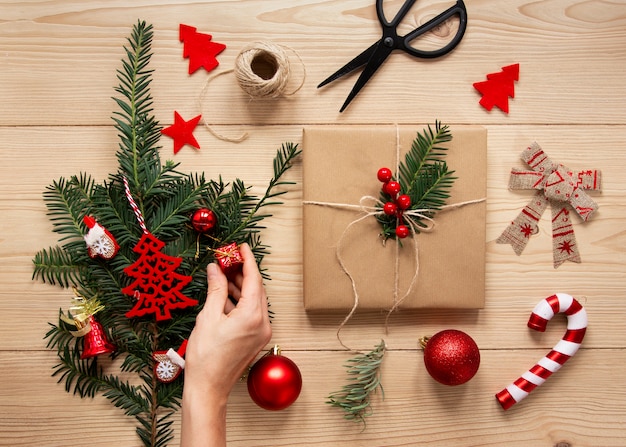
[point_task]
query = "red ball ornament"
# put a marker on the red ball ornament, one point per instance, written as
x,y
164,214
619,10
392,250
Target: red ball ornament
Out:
x,y
274,381
402,231
451,357
392,188
403,201
384,175
390,209
203,220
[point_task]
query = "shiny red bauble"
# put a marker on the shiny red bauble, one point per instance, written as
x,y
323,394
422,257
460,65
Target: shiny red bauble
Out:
x,y
274,382
203,220
451,357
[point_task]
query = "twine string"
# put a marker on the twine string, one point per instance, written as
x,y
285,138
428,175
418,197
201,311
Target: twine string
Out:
x,y
262,70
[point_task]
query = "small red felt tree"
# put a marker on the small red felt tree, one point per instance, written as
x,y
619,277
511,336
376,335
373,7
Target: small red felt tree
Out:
x,y
157,286
498,87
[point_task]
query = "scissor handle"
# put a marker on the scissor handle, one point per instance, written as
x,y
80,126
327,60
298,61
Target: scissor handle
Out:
x,y
403,43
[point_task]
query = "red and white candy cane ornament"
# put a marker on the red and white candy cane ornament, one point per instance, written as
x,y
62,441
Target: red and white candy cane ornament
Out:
x,y
561,352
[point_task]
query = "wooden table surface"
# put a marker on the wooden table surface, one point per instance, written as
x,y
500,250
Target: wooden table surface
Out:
x,y
57,73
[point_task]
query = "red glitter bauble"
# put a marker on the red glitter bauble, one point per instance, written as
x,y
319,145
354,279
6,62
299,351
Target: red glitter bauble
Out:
x,y
274,382
203,220
451,357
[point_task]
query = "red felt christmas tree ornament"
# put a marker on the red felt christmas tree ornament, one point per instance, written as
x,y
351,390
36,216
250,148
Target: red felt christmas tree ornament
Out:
x,y
274,381
157,286
451,357
199,48
498,87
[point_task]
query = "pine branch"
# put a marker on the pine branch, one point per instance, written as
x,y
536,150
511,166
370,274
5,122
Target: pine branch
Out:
x,y
354,397
282,162
424,176
67,201
56,266
139,131
166,198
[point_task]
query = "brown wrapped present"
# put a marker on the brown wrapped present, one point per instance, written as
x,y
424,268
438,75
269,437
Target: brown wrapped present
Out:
x,y
339,168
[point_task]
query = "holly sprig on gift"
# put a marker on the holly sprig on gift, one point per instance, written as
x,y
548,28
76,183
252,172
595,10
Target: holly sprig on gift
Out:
x,y
421,188
167,200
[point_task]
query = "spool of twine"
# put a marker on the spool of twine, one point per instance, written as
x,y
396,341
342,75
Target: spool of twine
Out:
x,y
262,70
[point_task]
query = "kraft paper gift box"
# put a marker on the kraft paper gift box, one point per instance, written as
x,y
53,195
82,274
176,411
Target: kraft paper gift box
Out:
x,y
340,164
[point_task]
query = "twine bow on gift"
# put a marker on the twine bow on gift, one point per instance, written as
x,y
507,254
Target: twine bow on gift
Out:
x,y
559,187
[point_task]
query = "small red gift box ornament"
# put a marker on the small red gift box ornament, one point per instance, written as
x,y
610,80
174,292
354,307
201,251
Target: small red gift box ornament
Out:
x,y
229,257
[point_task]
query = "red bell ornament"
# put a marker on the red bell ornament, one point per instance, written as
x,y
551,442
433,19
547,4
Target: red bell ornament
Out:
x,y
274,381
95,341
451,357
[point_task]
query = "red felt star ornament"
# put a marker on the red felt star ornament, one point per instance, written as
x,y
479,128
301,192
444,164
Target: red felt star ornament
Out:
x,y
498,87
199,48
182,132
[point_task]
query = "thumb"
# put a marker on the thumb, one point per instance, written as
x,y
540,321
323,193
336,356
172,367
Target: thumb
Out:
x,y
217,292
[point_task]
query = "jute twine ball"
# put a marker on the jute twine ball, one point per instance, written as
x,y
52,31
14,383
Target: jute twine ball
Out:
x,y
262,70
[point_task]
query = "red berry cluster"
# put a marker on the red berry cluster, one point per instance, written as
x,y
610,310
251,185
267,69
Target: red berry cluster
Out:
x,y
401,202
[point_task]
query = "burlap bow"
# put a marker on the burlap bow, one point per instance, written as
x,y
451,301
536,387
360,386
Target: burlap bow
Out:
x,y
558,186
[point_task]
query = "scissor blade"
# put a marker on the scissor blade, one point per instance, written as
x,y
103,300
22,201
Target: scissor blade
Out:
x,y
355,63
376,60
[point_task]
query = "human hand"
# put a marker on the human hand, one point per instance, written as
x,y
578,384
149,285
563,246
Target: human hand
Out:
x,y
227,337
223,343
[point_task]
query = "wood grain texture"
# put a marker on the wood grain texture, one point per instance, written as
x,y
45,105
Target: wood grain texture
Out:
x,y
57,72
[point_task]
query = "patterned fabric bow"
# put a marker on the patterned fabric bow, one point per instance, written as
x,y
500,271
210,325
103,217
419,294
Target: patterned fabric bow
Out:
x,y
558,186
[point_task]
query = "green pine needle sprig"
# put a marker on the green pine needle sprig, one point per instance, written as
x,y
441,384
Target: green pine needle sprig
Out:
x,y
424,176
166,198
364,379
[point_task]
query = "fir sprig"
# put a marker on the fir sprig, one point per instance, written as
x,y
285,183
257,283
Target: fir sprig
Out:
x,y
167,199
364,379
424,176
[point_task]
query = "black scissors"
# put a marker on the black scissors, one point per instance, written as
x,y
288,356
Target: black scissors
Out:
x,y
375,55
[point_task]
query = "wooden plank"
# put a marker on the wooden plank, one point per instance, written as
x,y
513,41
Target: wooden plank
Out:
x,y
573,406
514,284
66,61
57,73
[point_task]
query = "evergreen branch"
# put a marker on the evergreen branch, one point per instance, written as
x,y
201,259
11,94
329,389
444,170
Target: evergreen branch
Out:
x,y
56,266
125,396
83,375
66,202
282,162
424,177
425,150
139,131
354,397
